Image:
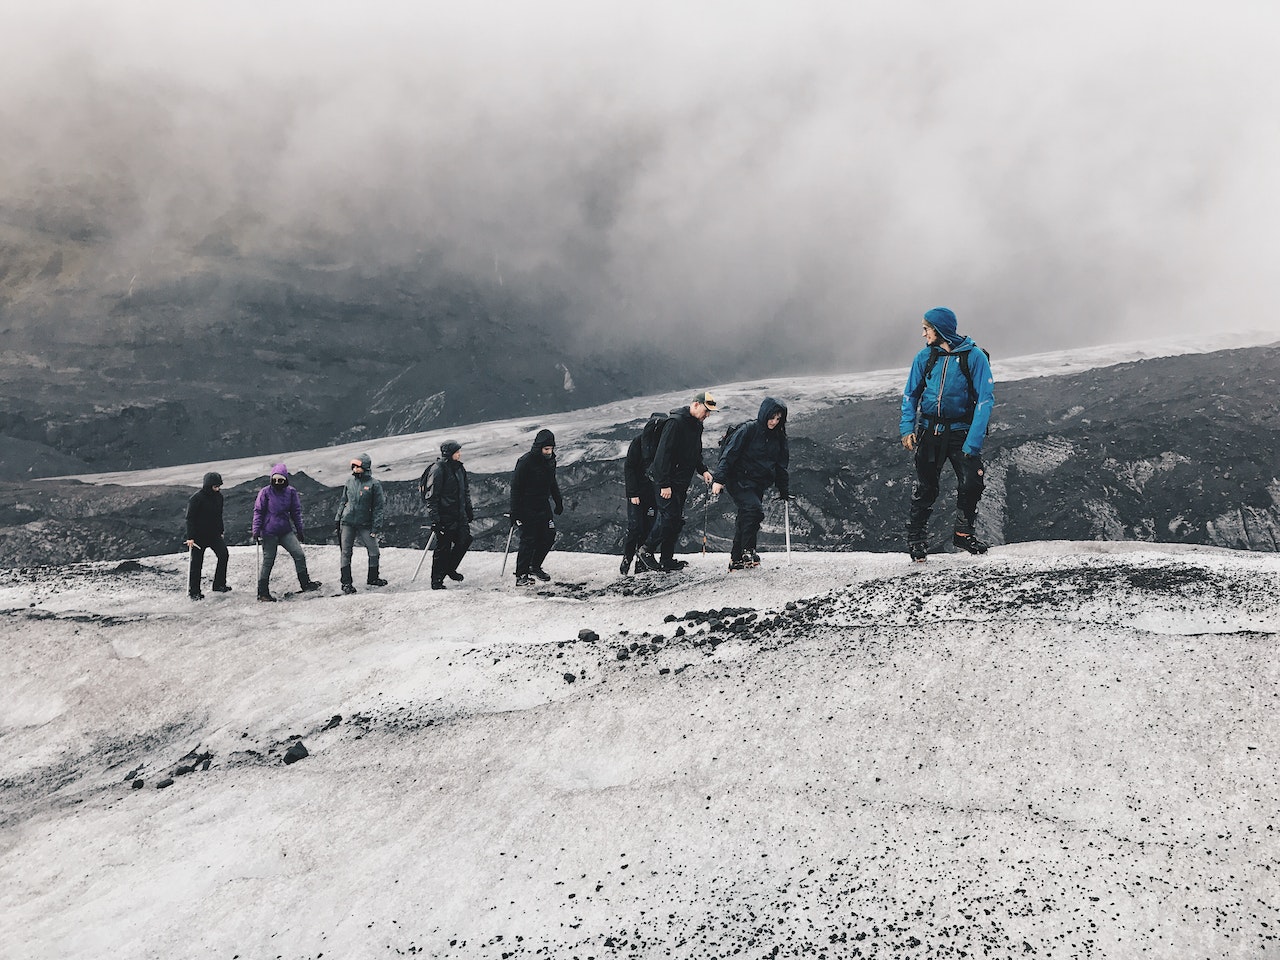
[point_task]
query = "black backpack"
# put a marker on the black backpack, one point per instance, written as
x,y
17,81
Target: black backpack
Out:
x,y
650,436
422,484
733,428
936,352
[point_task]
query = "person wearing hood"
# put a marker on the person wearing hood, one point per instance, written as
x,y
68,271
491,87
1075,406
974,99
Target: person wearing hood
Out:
x,y
675,461
277,522
205,532
533,492
359,518
641,510
755,457
946,408
448,498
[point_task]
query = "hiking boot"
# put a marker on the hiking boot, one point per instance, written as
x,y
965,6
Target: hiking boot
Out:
x,y
437,585
737,565
266,597
968,542
348,588
310,585
455,575
222,589
625,567
541,574
673,566
524,580
751,558
918,550
196,596
646,561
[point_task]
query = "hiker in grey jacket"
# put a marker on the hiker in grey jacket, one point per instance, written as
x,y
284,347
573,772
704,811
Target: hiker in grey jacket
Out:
x,y
359,518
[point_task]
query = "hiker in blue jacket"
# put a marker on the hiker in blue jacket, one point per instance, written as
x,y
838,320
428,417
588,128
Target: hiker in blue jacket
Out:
x,y
946,408
754,458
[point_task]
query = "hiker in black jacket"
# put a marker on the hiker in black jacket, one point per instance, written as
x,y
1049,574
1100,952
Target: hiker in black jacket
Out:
x,y
641,509
755,457
533,489
448,497
678,458
204,531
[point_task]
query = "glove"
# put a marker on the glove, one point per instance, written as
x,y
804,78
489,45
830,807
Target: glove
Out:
x,y
515,522
909,441
559,508
301,538
257,539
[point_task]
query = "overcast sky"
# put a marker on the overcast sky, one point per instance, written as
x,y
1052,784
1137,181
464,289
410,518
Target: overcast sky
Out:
x,y
1058,174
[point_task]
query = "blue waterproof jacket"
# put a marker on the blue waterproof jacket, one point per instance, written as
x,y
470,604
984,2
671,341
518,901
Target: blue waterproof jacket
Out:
x,y
947,396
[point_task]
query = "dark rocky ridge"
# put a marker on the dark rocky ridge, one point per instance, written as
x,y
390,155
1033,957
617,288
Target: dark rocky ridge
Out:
x,y
1182,449
217,354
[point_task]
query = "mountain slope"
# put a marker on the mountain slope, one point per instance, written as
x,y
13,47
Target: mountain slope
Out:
x,y
1179,449
1062,750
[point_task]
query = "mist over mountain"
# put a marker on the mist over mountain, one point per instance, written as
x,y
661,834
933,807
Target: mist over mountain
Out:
x,y
238,224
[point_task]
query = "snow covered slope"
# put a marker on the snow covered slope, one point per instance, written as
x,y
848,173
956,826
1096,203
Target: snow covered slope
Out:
x,y
1059,750
590,434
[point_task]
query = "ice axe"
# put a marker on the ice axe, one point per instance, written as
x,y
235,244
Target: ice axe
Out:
x,y
786,523
425,550
508,550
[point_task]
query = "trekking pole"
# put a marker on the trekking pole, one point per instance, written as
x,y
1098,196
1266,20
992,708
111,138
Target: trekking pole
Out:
x,y
786,524
258,541
508,550
425,550
704,525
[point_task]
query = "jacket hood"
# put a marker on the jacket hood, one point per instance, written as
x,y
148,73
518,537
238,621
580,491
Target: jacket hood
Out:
x,y
281,469
768,407
212,480
545,438
366,462
943,320
449,448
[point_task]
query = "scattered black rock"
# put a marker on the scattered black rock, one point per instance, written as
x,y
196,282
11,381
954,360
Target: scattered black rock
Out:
x,y
569,678
670,618
589,636
295,753
333,722
183,771
129,566
166,782
139,784
624,654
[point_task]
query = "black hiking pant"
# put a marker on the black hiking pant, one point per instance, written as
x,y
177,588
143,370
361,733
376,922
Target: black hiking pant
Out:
x,y
219,548
536,537
933,452
640,520
668,522
750,502
452,544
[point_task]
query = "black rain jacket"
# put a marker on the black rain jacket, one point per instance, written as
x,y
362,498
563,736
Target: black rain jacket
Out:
x,y
448,495
679,453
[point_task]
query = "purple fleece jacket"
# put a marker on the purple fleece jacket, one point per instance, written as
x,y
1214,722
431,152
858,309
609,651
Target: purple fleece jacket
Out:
x,y
277,512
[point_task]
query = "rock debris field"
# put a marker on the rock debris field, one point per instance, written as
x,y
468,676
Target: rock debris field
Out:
x,y
1063,750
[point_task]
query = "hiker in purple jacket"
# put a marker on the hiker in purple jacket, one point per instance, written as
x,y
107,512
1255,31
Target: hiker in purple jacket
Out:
x,y
277,514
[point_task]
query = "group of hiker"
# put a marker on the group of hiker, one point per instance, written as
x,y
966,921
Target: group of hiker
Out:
x,y
946,410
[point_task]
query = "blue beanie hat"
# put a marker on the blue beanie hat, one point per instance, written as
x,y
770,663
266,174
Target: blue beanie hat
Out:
x,y
944,321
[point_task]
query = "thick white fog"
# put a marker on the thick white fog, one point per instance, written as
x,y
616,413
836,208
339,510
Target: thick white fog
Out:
x,y
1058,174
